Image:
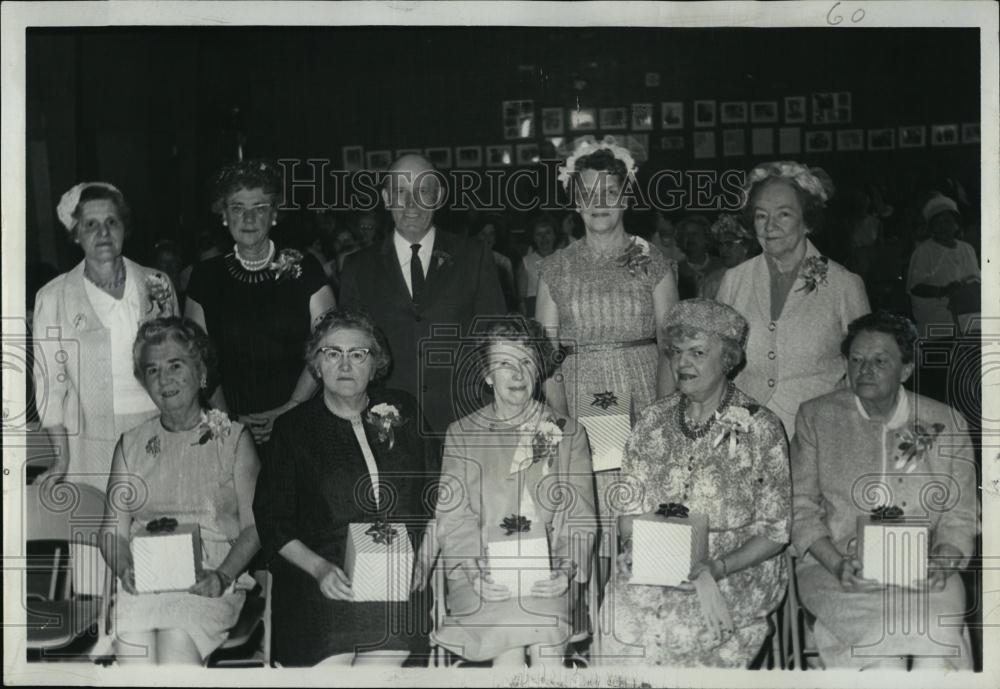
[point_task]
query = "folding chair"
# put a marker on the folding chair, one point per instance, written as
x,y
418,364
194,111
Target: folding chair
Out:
x,y
68,514
254,617
797,624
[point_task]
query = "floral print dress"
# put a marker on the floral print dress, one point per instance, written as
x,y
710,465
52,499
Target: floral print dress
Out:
x,y
745,494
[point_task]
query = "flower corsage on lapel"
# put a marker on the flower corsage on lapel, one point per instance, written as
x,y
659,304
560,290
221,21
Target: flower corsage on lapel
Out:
x,y
733,423
215,425
913,444
287,265
539,443
160,293
636,257
441,258
813,273
385,418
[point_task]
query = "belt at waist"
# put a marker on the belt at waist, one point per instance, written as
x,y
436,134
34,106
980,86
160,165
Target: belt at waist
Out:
x,y
606,346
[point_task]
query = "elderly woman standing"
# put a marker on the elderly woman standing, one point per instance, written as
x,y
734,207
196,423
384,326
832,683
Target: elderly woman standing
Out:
x,y
798,302
353,453
257,303
191,464
718,452
84,323
515,459
877,445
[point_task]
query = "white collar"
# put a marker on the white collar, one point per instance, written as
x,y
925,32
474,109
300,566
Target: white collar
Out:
x,y
900,414
402,245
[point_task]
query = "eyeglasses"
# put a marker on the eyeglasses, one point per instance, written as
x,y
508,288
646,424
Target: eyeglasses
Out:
x,y
334,354
254,211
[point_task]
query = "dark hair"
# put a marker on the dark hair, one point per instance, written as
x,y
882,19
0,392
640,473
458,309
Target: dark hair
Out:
x,y
349,319
518,330
578,229
900,328
99,192
812,206
538,221
245,174
602,160
186,333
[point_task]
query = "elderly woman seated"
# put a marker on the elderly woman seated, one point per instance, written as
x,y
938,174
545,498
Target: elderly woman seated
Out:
x,y
351,454
515,474
189,466
871,446
713,450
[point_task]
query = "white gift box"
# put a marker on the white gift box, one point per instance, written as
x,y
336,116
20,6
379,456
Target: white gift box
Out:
x,y
518,561
378,571
167,560
893,552
665,548
607,416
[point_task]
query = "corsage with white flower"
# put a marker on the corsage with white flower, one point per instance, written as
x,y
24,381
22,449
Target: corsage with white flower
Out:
x,y
160,293
442,257
215,425
813,274
538,443
385,418
586,145
733,422
287,265
913,444
636,257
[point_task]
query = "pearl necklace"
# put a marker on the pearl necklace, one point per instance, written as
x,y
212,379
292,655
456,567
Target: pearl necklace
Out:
x,y
258,264
701,430
114,284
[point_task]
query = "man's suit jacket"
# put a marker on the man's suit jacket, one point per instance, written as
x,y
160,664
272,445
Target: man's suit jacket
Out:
x,y
430,341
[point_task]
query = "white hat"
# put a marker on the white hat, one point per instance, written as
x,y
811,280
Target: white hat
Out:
x,y
938,204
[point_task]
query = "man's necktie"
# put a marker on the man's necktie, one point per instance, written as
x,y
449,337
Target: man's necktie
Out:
x,y
416,274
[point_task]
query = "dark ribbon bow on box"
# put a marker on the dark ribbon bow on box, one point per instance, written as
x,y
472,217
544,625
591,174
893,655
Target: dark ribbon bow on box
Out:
x,y
162,525
604,399
515,523
381,532
886,513
673,509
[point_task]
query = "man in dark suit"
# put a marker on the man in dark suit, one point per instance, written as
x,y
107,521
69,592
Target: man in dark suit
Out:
x,y
423,287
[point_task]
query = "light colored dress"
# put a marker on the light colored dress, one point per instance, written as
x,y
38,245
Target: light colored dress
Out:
x,y
601,303
938,265
171,474
844,465
744,496
478,492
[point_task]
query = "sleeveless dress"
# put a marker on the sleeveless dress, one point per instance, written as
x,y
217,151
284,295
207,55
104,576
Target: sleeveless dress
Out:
x,y
169,474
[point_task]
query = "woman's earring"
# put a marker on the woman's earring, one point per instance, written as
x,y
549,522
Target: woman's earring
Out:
x,y
204,382
274,222
225,223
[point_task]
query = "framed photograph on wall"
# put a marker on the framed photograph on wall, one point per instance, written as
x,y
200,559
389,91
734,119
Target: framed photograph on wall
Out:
x,y
733,112
552,121
672,143
704,116
913,136
883,139
944,135
764,111
638,146
528,154
762,141
499,156
672,115
468,156
440,157
795,109
583,120
851,140
734,142
642,117
354,158
704,143
378,160
518,119
652,79
970,133
819,141
831,107
614,119
789,140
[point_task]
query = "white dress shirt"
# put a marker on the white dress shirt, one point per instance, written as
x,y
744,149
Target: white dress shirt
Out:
x,y
405,254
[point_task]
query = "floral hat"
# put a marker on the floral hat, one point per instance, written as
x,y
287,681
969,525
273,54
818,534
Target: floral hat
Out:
x,y
729,223
813,181
586,145
709,316
71,199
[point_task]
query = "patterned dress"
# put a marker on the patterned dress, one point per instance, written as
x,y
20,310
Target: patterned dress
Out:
x,y
746,495
601,302
170,474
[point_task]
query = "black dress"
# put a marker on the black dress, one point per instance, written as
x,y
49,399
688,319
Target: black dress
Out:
x,y
259,322
311,487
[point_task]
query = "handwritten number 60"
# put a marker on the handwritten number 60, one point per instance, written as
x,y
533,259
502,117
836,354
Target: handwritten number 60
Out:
x,y
834,19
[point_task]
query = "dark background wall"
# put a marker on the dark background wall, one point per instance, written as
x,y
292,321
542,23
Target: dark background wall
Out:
x,y
149,109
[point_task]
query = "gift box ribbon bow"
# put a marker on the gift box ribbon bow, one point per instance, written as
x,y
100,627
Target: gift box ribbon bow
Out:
x,y
381,532
673,509
515,523
604,399
885,513
162,525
